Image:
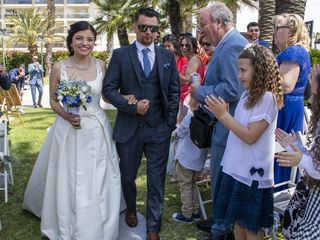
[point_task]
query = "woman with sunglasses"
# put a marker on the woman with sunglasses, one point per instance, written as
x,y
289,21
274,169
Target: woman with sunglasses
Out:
x,y
195,64
208,50
292,39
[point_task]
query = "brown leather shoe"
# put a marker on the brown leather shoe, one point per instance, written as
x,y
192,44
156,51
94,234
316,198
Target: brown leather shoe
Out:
x,y
131,218
153,236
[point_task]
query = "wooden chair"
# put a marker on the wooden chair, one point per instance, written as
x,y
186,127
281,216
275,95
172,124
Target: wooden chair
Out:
x,y
10,102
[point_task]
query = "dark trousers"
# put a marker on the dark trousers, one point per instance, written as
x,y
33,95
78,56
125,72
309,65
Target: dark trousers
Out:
x,y
154,143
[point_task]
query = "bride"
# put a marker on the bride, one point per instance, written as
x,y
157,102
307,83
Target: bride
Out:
x,y
75,184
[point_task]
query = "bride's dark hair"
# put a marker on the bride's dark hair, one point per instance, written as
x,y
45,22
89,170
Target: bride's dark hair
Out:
x,y
77,27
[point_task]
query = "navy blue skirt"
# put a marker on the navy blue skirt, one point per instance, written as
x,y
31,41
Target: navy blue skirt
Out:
x,y
235,202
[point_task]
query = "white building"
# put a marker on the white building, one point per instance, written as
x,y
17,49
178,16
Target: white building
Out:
x,y
67,12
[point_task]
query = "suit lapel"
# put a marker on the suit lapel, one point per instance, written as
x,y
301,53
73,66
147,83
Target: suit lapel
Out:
x,y
135,62
159,61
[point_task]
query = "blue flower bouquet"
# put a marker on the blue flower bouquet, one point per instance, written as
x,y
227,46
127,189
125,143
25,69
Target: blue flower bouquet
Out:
x,y
74,94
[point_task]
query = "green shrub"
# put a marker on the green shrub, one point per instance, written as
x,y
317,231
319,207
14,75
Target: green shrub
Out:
x,y
15,58
314,56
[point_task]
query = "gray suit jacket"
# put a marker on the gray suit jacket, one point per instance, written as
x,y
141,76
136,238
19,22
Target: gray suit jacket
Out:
x,y
122,78
221,78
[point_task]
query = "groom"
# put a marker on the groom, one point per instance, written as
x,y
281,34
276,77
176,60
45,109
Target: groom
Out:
x,y
149,73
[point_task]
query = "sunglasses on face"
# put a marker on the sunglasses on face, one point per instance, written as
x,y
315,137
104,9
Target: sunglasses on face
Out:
x,y
144,28
254,30
35,58
276,28
206,44
184,45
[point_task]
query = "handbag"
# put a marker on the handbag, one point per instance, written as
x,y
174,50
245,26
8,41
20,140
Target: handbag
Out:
x,y
201,127
295,211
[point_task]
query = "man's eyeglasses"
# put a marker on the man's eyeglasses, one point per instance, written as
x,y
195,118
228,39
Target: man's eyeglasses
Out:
x,y
276,28
254,30
144,28
184,45
206,44
35,58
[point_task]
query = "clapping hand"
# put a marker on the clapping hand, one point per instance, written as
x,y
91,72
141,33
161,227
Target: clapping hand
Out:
x,y
289,159
285,139
217,106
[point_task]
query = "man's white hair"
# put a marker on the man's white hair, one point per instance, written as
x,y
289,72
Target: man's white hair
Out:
x,y
220,10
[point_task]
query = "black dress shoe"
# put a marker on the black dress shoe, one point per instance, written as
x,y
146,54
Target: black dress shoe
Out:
x,y
205,225
230,236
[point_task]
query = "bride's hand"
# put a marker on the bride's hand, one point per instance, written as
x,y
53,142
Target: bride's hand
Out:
x,y
73,119
131,99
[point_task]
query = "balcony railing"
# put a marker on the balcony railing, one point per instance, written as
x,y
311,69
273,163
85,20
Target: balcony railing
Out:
x,y
78,1
10,14
78,15
46,1
17,1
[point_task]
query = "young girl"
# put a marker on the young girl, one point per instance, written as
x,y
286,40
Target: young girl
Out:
x,y
305,226
244,193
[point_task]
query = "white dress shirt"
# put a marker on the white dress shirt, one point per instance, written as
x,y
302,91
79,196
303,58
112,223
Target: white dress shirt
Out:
x,y
151,54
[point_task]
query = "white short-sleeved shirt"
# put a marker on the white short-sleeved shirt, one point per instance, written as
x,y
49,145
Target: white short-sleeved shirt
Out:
x,y
240,157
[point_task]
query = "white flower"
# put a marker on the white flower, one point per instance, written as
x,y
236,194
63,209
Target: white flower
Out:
x,y
60,97
84,89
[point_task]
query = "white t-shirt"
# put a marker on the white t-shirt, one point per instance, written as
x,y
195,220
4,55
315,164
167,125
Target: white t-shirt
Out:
x,y
240,157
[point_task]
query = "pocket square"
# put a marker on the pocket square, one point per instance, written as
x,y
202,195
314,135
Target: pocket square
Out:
x,y
166,65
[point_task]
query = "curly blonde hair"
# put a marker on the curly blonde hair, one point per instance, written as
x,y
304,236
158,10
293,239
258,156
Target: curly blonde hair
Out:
x,y
299,31
314,127
266,75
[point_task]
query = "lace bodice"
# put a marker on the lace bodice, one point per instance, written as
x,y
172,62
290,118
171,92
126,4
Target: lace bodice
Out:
x,y
96,86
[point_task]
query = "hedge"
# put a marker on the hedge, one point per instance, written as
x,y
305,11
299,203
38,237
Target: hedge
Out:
x,y
14,58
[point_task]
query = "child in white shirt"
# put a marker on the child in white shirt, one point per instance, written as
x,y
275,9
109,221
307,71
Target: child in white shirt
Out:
x,y
188,168
244,194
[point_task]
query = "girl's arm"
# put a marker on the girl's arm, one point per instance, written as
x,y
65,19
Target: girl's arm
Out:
x,y
248,134
54,80
290,73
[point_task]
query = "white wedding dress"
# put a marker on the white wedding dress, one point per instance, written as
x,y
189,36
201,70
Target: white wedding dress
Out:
x,y
75,184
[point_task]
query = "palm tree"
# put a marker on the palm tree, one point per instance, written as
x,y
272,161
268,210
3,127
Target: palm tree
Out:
x,y
29,25
234,6
116,16
50,27
266,14
291,6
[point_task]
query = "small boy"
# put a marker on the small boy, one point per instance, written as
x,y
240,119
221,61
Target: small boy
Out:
x,y
188,168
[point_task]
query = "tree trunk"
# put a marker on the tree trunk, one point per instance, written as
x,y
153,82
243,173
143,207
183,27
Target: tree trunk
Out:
x,y
291,6
48,45
175,17
188,23
123,35
265,21
109,46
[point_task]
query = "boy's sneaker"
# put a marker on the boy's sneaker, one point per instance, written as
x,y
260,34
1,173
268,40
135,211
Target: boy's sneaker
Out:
x,y
178,217
196,217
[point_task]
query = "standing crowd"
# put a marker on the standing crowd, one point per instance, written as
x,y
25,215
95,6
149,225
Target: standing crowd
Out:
x,y
82,176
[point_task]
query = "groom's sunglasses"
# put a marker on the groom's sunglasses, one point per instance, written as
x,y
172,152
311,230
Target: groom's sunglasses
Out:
x,y
144,28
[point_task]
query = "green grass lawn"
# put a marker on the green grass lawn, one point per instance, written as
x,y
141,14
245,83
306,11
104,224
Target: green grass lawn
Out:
x,y
26,142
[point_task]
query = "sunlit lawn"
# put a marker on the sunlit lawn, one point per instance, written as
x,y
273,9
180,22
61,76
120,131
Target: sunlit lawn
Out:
x,y
26,142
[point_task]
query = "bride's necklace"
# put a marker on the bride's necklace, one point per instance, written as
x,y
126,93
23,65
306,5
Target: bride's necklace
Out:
x,y
81,67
